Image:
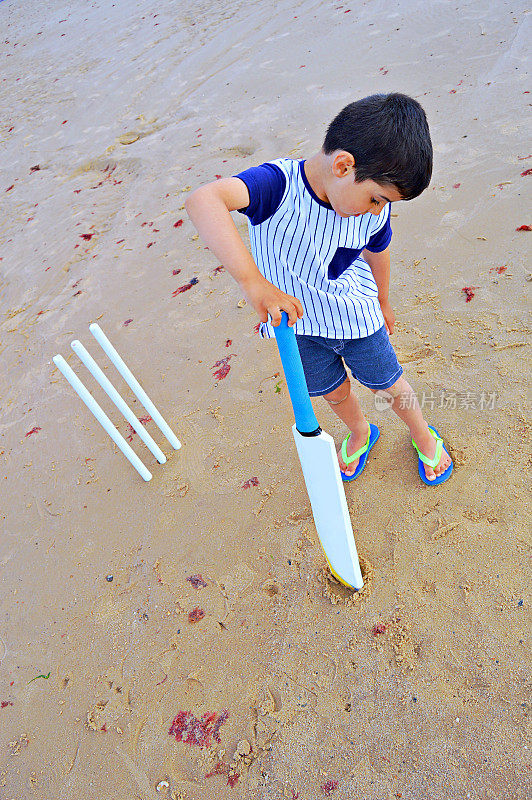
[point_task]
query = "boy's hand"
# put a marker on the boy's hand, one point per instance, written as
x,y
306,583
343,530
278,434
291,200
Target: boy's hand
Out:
x,y
267,299
388,314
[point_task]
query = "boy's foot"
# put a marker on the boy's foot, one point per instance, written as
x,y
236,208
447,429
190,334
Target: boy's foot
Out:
x,y
427,444
357,439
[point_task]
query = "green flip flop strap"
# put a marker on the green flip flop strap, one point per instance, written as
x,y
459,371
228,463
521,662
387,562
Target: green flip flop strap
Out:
x,y
431,462
349,459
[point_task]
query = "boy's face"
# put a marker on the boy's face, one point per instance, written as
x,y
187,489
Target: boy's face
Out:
x,y
350,198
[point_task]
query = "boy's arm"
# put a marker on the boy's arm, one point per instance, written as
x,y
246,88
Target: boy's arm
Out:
x,y
379,264
209,209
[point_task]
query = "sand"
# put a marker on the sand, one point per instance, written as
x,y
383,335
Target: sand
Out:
x,y
111,113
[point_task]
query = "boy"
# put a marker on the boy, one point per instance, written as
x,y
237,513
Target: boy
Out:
x,y
320,233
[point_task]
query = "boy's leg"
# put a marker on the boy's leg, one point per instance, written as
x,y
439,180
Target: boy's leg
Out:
x,y
346,406
324,367
406,407
374,363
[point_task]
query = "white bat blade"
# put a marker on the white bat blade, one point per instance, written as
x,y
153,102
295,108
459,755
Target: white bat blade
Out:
x,y
319,463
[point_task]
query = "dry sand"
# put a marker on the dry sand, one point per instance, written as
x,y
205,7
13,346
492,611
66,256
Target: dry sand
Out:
x,y
437,706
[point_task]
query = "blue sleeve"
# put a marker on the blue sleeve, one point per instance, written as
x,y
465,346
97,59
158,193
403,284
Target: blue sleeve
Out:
x,y
266,185
380,240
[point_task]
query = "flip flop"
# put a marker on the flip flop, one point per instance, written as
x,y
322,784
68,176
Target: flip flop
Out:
x,y
431,462
373,435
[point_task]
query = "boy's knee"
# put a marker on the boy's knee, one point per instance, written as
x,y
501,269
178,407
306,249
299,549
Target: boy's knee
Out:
x,y
339,394
395,390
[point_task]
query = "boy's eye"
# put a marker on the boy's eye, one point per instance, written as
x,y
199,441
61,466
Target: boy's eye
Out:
x,y
375,202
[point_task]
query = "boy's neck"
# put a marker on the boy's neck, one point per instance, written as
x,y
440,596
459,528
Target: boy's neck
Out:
x,y
316,169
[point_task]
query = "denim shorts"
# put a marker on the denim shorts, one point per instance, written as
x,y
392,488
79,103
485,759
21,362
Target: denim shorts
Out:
x,y
372,361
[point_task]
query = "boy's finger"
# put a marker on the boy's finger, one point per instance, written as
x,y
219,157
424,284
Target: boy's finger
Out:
x,y
291,315
294,310
275,314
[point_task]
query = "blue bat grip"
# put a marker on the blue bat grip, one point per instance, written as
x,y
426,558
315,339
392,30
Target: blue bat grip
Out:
x,y
306,421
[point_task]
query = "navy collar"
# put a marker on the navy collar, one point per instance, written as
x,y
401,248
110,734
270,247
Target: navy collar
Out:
x,y
310,189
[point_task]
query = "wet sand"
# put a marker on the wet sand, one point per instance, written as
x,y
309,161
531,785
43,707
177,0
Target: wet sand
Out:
x,y
417,688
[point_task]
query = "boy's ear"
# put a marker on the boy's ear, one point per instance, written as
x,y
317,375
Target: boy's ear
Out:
x,y
343,163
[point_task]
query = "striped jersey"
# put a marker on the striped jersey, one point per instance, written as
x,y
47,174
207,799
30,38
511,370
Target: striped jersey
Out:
x,y
301,245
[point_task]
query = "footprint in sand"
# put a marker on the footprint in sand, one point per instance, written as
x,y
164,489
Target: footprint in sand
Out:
x,y
103,167
240,150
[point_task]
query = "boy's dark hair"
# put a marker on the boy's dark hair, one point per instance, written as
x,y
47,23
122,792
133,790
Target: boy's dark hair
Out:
x,y
388,136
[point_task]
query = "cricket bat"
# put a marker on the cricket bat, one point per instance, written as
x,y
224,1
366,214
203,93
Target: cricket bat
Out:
x,y
321,471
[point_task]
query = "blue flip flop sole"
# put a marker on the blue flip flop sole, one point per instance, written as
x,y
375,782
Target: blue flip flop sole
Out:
x,y
439,478
373,436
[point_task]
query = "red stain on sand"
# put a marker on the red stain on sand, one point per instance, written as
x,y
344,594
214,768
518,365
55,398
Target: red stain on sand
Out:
x,y
469,292
192,282
33,430
132,430
222,367
186,727
223,372
221,768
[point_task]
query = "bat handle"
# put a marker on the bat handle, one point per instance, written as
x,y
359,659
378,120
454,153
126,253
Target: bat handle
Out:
x,y
306,422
